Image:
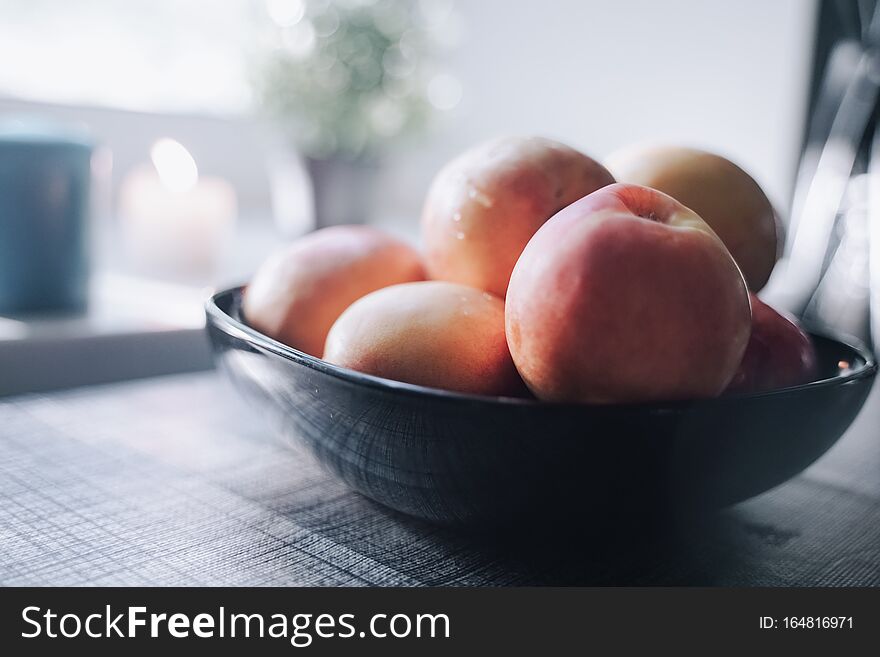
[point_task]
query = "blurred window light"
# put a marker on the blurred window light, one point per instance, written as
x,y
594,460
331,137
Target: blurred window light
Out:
x,y
147,55
285,13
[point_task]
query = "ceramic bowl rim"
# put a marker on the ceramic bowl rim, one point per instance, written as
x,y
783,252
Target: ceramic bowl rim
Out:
x,y
230,325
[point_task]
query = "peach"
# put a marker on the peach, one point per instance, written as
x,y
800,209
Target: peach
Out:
x,y
485,205
298,293
725,196
626,296
436,334
779,353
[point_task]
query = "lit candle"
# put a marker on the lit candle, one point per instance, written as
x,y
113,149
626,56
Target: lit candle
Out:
x,y
173,222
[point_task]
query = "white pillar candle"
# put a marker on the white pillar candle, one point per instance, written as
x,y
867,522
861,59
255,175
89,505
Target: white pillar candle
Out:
x,y
173,222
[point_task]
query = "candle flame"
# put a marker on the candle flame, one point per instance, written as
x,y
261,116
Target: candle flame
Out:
x,y
176,167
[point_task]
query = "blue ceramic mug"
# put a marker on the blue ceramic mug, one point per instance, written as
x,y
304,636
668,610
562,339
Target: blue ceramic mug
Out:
x,y
45,176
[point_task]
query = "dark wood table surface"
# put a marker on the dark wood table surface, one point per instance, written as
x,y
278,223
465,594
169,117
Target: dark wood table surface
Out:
x,y
175,481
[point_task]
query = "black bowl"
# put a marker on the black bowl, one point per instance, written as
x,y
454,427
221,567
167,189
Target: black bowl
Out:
x,y
456,458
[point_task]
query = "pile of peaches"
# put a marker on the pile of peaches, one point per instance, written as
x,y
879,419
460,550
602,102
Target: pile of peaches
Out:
x,y
546,274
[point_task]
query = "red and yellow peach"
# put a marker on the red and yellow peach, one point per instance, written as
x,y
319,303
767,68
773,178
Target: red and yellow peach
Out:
x,y
626,295
725,196
436,334
779,353
485,205
299,291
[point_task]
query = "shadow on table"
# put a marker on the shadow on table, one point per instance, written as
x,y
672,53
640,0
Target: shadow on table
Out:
x,y
711,550
707,550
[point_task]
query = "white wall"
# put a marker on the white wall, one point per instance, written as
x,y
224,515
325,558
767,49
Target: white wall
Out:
x,y
728,75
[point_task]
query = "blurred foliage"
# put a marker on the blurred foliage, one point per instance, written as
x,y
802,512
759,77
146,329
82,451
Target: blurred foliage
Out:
x,y
347,77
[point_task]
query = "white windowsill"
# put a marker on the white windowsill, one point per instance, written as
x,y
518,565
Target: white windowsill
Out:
x,y
133,328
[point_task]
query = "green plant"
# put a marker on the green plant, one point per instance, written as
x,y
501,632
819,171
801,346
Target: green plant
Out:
x,y
348,78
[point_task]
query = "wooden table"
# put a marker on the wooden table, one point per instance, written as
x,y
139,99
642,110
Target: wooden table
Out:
x,y
174,481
